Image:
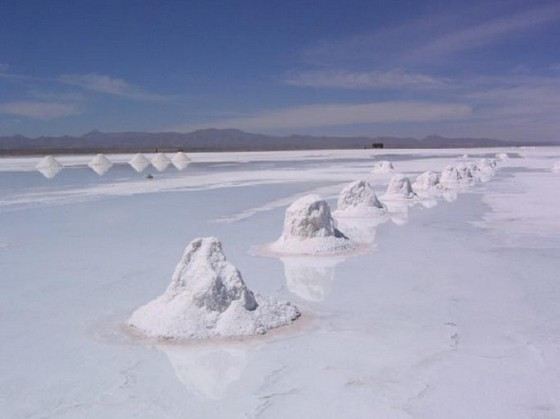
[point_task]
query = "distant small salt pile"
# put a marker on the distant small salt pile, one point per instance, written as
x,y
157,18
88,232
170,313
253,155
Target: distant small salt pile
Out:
x,y
139,162
426,182
465,156
502,156
160,161
382,167
483,170
399,188
49,167
450,177
100,164
556,167
358,199
180,160
207,298
466,173
309,229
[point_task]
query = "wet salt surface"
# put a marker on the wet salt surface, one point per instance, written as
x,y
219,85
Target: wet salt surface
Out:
x,y
442,319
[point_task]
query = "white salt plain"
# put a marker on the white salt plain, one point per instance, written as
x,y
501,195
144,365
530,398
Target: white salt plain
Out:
x,y
452,313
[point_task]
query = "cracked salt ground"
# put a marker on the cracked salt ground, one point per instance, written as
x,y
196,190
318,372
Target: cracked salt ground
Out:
x,y
441,320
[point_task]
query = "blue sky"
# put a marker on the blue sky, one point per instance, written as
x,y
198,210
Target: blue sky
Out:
x,y
406,68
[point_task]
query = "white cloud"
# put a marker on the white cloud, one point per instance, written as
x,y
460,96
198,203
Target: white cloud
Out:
x,y
364,80
325,115
108,85
38,110
488,32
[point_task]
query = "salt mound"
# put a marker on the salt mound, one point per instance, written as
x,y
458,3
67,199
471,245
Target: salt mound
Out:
x,y
49,167
309,229
207,298
466,174
139,162
180,160
358,199
399,188
382,167
502,156
427,181
100,164
450,177
556,167
483,170
160,161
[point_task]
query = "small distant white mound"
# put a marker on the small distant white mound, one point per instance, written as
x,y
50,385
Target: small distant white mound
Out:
x,y
450,177
160,161
466,173
382,167
100,164
465,156
484,169
556,167
49,167
502,156
309,229
399,188
139,162
180,160
426,182
358,199
207,298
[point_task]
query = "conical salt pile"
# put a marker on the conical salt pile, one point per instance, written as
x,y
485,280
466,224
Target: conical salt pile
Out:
x,y
207,297
180,160
160,161
49,167
139,162
100,164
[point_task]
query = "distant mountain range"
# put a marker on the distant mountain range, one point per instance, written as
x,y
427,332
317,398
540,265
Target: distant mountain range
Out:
x,y
223,140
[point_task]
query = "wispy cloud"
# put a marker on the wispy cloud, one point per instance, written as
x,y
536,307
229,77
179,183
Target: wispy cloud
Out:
x,y
488,32
325,115
98,83
108,85
364,80
427,37
38,110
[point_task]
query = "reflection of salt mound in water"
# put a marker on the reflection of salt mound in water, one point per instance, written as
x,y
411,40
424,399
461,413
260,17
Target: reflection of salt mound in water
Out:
x,y
207,297
49,167
180,160
556,167
309,229
426,182
358,199
382,167
100,164
139,162
160,161
399,188
362,229
206,372
398,211
310,278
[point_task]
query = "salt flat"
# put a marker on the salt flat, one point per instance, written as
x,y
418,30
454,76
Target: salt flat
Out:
x,y
451,313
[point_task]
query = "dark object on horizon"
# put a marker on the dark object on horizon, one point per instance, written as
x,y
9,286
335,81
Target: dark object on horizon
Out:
x,y
377,145
222,140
